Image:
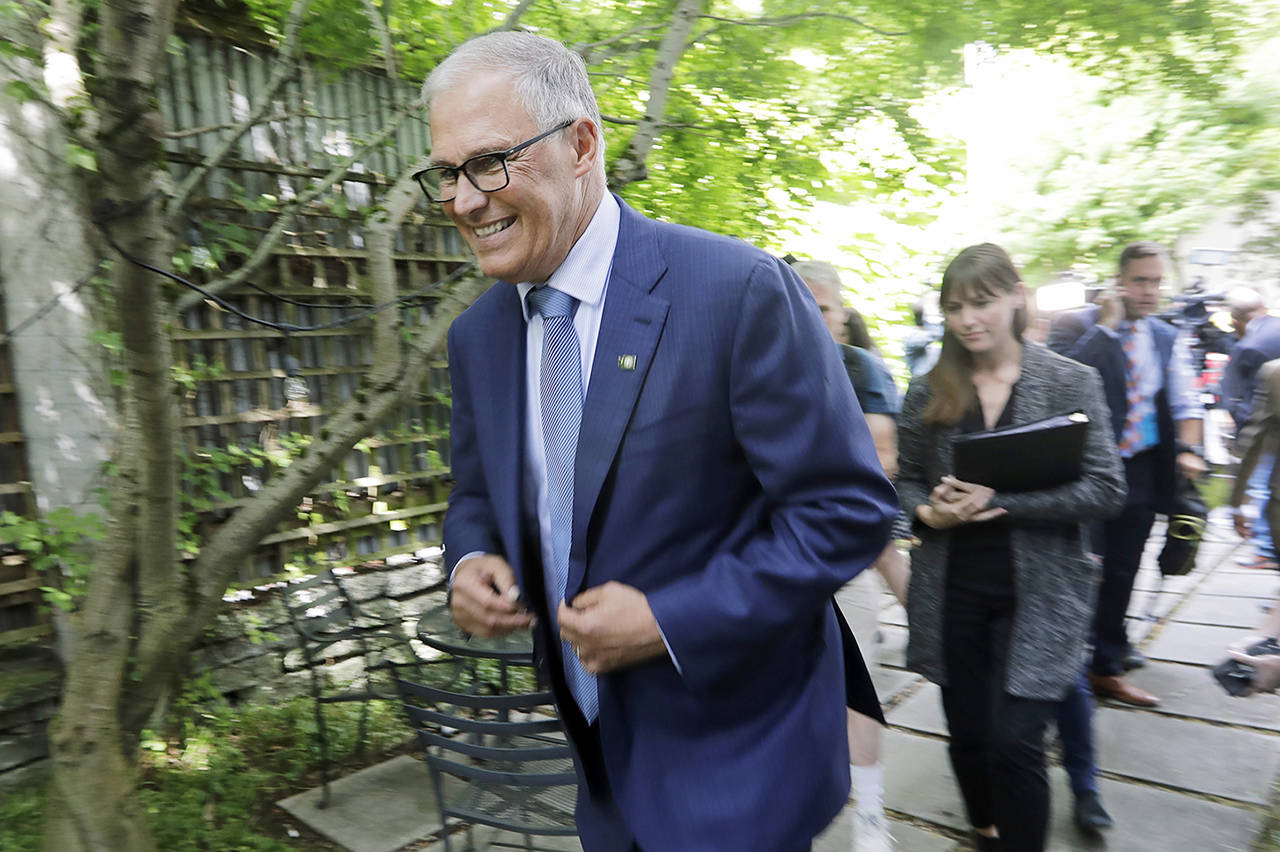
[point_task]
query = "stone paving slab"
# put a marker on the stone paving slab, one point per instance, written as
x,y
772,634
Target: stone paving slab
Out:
x,y
1142,603
1189,755
486,839
895,614
1192,691
1197,644
918,780
1149,580
907,838
1199,608
1255,584
378,809
1149,819
893,648
890,682
921,712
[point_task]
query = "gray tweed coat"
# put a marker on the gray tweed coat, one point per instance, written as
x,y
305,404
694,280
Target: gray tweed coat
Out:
x,y
1056,584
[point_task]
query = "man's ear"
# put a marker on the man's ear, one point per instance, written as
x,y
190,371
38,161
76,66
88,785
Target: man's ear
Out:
x,y
588,146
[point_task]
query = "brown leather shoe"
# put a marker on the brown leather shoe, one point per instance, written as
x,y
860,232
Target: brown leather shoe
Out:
x,y
1119,689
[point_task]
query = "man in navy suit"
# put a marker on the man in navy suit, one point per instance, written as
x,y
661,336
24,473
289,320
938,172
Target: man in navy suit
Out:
x,y
1259,342
1157,420
659,464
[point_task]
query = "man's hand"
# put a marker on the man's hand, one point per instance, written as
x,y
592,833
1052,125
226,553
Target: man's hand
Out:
x,y
1191,465
953,502
1112,309
1241,521
611,627
1266,671
485,599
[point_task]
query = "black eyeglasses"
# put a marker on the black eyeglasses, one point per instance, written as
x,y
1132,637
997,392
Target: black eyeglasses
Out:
x,y
487,172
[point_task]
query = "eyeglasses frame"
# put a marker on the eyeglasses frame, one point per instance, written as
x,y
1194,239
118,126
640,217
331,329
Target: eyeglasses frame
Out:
x,y
502,158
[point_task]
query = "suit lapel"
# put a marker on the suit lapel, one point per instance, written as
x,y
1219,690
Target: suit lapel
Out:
x,y
630,328
502,427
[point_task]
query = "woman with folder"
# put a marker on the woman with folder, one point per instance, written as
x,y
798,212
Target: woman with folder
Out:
x,y
1002,593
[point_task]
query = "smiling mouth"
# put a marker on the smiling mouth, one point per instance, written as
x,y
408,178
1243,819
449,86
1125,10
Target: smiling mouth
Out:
x,y
489,230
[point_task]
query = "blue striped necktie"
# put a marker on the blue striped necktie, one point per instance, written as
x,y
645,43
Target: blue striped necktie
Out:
x,y
561,391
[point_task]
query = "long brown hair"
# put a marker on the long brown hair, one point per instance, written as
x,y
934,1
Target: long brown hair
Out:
x,y
984,269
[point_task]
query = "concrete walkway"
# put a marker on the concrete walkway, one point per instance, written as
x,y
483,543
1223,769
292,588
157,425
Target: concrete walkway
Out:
x,y
1195,773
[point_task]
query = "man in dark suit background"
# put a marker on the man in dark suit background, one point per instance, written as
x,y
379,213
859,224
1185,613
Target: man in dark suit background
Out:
x,y
1157,420
659,463
1258,343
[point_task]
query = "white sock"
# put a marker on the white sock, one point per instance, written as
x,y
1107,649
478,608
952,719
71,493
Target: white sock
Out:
x,y
868,787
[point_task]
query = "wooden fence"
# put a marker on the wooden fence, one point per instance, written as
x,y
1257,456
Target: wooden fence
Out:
x,y
21,616
384,498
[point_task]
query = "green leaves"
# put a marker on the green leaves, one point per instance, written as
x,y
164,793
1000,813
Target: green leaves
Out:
x,y
58,545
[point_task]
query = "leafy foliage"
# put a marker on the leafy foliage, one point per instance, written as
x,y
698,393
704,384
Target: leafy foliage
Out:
x,y
210,778
57,545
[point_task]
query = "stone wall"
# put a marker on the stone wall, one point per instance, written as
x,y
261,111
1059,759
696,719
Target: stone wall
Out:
x,y
250,653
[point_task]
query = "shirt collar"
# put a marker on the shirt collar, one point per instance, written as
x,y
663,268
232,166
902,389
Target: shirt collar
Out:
x,y
585,270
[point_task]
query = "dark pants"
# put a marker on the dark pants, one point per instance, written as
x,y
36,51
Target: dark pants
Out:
x,y
1075,729
1122,542
997,740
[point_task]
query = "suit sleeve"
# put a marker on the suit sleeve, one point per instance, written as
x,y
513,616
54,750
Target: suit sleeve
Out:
x,y
1101,489
830,506
469,525
1064,331
1239,380
1261,429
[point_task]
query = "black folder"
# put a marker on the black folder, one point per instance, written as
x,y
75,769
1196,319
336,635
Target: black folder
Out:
x,y
1028,457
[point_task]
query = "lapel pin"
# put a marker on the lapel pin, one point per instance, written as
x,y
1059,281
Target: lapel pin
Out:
x,y
626,362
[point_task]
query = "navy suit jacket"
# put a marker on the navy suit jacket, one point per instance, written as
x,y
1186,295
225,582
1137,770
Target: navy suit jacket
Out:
x,y
731,477
1077,335
1260,344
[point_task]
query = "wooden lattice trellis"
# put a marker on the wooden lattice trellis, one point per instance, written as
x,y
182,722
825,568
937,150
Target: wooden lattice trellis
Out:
x,y
393,490
21,616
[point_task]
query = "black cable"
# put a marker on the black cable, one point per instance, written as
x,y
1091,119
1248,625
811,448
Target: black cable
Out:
x,y
283,328
41,311
289,301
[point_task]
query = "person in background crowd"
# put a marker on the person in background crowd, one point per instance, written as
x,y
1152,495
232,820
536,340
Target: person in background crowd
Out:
x,y
1259,439
1001,595
1266,669
920,343
1156,421
1076,711
1258,342
660,467
859,600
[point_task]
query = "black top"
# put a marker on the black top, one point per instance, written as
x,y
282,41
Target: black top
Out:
x,y
980,558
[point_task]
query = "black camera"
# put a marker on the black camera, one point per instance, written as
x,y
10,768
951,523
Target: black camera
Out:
x,y
1237,677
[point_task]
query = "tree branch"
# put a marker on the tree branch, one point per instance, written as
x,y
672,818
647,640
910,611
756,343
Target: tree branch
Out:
x,y
380,234
281,74
585,49
214,128
513,17
630,166
268,244
786,20
62,75
388,48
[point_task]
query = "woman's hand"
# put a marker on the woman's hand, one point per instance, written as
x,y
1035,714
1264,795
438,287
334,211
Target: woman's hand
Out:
x,y
953,502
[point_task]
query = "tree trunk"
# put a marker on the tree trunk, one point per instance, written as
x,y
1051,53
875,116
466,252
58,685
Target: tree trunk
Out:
x,y
630,165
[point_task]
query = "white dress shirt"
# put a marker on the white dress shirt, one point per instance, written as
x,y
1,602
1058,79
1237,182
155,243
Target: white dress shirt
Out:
x,y
585,276
1183,404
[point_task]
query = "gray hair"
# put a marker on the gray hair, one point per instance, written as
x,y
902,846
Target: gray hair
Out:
x,y
819,273
1242,301
549,80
